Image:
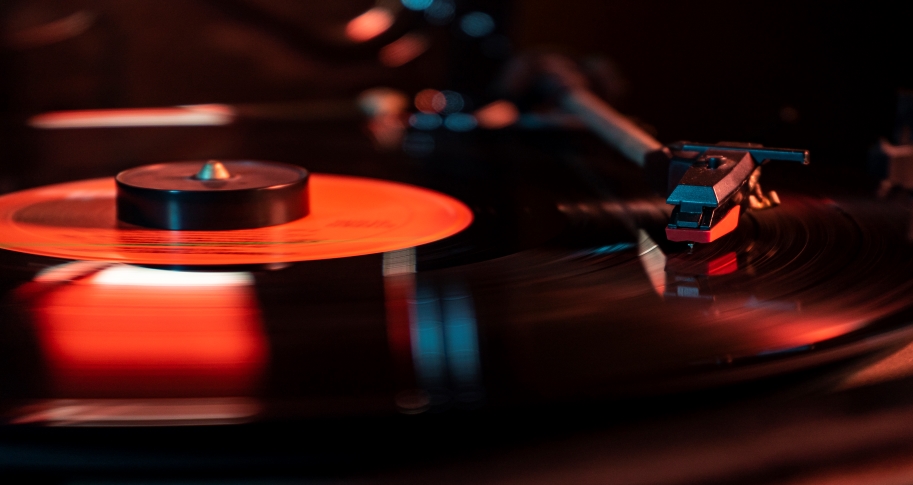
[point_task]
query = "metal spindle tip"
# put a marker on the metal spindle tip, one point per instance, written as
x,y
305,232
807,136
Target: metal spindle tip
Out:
x,y
213,170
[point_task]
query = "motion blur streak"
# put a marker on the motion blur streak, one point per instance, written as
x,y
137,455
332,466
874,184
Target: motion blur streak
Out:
x,y
125,275
653,261
445,344
139,412
52,32
191,115
369,25
433,338
428,347
110,335
399,295
403,50
462,343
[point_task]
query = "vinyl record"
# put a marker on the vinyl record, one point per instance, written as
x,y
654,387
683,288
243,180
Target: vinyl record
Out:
x,y
349,216
811,281
594,312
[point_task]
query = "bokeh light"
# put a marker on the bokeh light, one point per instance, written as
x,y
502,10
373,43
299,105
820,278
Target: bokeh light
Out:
x,y
477,24
430,101
425,121
452,102
417,4
369,24
498,114
460,122
440,12
403,50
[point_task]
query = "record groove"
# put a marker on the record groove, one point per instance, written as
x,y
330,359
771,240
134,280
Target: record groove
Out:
x,y
350,216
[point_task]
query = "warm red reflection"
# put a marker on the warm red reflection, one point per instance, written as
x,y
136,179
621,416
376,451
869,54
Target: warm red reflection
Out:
x,y
108,335
191,115
724,264
399,293
403,50
369,24
193,411
430,101
496,115
725,225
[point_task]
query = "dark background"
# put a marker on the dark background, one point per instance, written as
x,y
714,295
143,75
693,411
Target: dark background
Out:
x,y
816,75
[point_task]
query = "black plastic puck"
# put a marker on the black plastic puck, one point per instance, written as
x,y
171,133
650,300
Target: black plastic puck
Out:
x,y
213,195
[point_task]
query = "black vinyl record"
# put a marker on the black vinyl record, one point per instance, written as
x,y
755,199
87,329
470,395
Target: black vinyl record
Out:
x,y
544,298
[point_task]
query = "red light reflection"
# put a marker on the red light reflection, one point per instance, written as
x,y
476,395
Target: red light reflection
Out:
x,y
726,225
403,50
110,336
498,114
191,115
369,25
430,101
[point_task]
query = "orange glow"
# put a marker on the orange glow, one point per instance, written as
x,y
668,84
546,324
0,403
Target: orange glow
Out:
x,y
124,275
725,264
430,101
52,32
496,115
403,50
687,264
726,225
829,332
813,327
376,102
399,291
369,25
101,339
193,411
349,216
191,115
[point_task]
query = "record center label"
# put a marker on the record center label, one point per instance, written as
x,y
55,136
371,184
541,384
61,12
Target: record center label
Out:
x,y
350,216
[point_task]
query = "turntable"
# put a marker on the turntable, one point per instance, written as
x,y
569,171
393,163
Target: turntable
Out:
x,y
498,281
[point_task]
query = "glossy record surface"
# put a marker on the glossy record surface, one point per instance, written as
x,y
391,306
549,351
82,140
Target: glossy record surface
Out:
x,y
349,216
563,321
562,289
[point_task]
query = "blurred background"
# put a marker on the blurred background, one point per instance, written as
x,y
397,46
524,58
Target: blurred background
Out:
x,y
800,74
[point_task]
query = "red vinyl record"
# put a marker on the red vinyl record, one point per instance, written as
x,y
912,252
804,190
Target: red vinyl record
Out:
x,y
350,216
